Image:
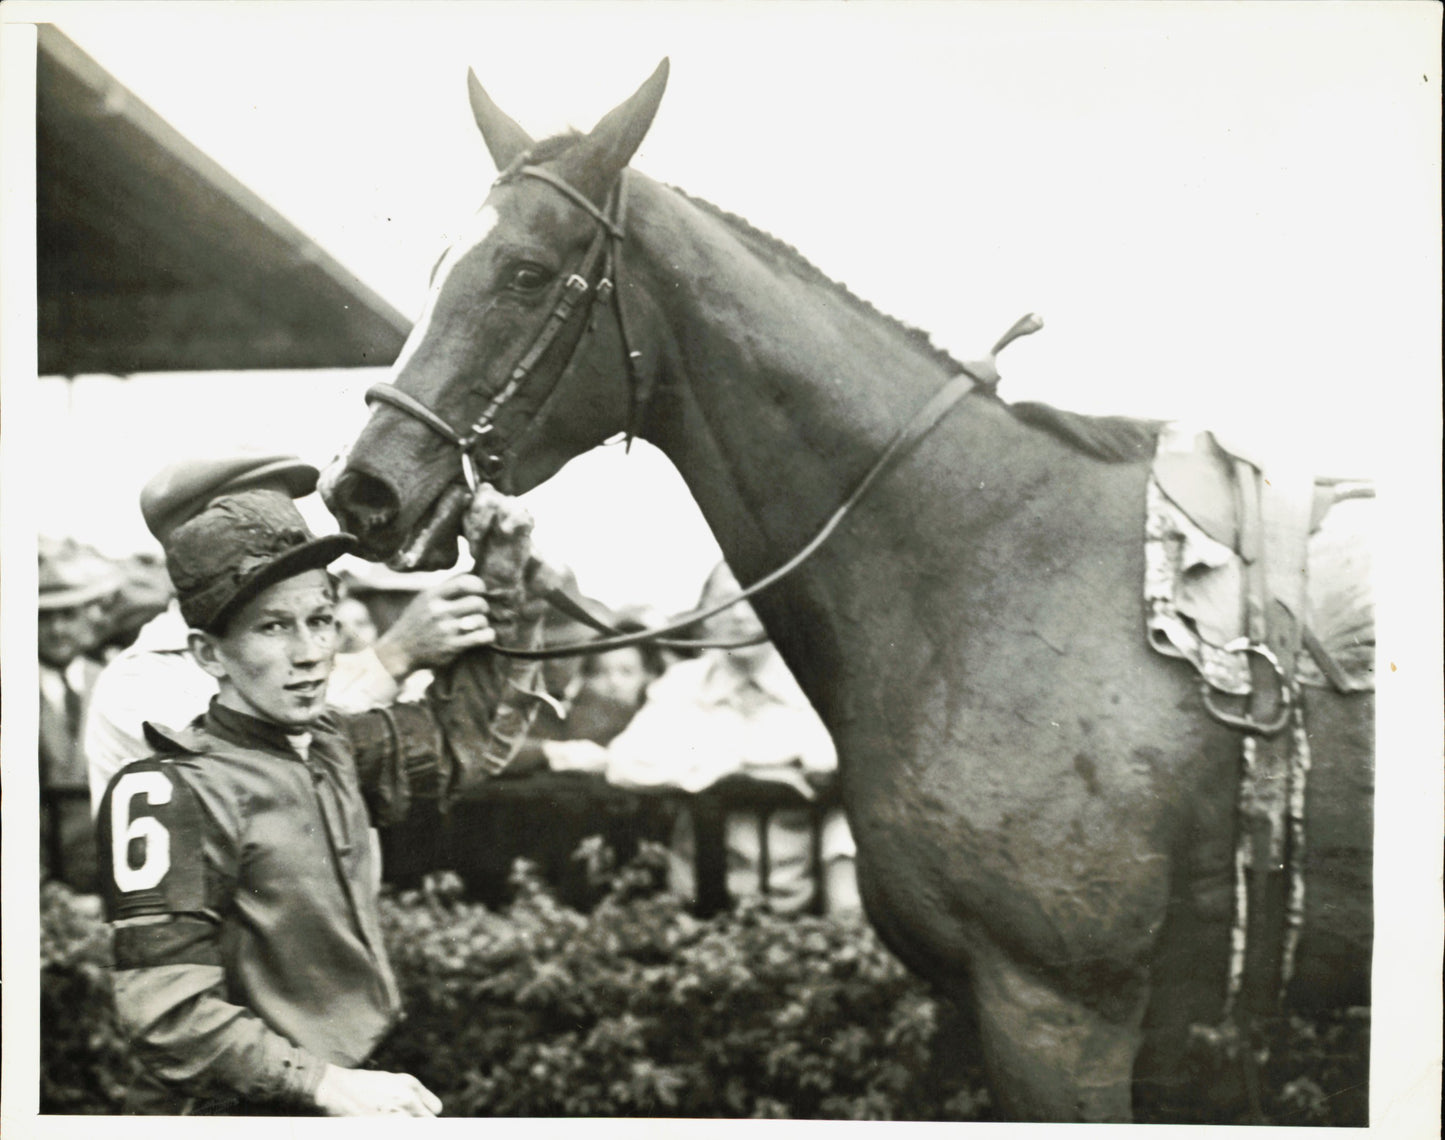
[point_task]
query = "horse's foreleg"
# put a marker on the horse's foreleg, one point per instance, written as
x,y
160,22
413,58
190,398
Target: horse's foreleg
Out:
x,y
1049,1056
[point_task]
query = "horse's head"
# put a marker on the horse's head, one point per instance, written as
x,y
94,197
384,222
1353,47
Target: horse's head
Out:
x,y
519,360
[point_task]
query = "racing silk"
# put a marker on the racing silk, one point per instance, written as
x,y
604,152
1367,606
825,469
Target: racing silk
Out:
x,y
241,876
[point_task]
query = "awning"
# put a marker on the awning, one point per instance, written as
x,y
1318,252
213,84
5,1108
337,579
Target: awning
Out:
x,y
151,257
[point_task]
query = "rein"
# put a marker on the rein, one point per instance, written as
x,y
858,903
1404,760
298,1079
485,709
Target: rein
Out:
x,y
605,250
922,423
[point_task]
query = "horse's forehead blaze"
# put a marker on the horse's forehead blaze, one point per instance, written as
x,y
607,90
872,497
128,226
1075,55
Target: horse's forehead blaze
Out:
x,y
475,231
474,234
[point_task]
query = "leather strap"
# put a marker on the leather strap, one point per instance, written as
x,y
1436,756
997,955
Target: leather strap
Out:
x,y
579,609
389,394
1328,665
544,175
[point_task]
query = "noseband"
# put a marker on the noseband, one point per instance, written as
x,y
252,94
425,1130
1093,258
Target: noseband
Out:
x,y
603,259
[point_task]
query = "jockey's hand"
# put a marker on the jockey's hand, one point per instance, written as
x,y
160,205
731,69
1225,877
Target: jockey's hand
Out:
x,y
363,1092
439,623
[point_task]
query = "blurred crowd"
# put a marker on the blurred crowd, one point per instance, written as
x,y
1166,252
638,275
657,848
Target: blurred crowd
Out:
x,y
112,655
90,609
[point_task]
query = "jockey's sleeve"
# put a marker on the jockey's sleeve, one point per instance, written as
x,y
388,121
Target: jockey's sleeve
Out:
x,y
168,979
485,702
468,729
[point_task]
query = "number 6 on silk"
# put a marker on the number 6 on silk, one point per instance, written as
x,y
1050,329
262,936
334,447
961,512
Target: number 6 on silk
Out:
x,y
149,836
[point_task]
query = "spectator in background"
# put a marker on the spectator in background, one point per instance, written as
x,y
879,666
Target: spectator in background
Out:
x,y
611,689
145,591
614,685
740,712
156,678
74,585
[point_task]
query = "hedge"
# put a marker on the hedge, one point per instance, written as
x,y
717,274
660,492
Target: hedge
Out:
x,y
640,1009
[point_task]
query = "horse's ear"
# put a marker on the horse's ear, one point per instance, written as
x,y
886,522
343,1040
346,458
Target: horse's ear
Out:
x,y
504,138
595,162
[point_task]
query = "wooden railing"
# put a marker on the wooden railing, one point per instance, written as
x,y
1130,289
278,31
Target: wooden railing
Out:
x,y
545,816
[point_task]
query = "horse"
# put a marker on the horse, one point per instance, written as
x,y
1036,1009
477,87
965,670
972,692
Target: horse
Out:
x,y
1044,812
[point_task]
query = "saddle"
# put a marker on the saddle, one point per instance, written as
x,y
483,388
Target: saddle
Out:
x,y
1253,580
1205,482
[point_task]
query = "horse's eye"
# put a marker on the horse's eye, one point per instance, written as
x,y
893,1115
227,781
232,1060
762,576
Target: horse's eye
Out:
x,y
529,278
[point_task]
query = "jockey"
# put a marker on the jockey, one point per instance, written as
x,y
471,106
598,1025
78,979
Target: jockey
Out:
x,y
238,866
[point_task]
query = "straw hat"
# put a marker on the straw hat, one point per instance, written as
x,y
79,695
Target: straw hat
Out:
x,y
72,576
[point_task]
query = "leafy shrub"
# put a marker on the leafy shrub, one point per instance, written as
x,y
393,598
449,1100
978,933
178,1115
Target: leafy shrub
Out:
x,y
639,1009
1297,1060
85,1065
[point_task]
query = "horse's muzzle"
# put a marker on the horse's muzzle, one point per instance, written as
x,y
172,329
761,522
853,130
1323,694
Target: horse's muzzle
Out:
x,y
367,507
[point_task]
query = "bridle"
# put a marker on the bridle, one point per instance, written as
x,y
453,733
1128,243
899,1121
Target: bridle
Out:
x,y
604,258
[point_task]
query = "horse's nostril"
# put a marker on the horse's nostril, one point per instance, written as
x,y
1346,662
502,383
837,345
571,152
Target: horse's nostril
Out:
x,y
368,500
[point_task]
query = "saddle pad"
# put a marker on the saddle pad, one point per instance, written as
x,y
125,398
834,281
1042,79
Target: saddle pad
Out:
x,y
1193,593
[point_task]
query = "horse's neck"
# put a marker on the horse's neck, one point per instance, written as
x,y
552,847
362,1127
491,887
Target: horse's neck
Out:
x,y
773,381
781,393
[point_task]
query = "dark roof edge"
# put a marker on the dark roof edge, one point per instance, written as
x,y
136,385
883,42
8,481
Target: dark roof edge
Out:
x,y
120,100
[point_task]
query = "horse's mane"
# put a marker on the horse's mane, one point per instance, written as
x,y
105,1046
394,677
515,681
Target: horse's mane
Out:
x,y
782,255
1113,439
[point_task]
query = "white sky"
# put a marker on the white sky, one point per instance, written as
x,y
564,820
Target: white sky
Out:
x,y
1217,209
